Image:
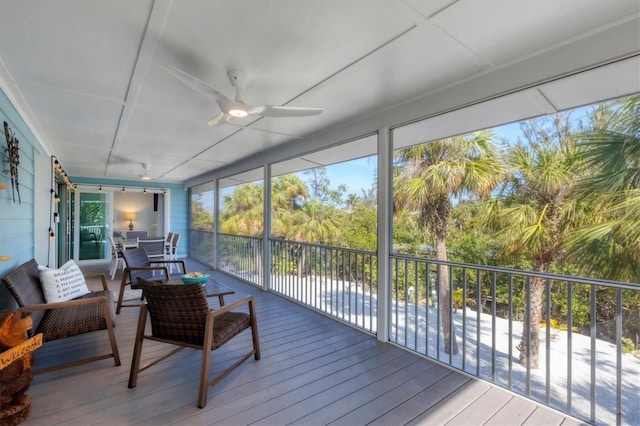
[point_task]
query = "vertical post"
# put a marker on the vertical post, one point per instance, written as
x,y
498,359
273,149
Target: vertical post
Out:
x,y
384,231
266,229
216,225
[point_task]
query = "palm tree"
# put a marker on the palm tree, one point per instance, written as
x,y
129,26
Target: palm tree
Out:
x,y
610,244
426,180
533,219
242,211
314,222
288,194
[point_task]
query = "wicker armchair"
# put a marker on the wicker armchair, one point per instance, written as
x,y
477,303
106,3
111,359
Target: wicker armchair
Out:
x,y
91,312
180,315
138,264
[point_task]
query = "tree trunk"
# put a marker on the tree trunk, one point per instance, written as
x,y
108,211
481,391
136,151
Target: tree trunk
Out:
x,y
531,325
444,300
302,261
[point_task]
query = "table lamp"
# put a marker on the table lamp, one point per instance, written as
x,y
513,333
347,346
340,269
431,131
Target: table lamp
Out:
x,y
130,216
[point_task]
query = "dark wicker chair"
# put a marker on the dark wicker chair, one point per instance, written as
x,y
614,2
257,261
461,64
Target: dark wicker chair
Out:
x,y
138,264
91,312
180,315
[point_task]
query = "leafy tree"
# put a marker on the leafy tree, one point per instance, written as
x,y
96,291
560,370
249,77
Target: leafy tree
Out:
x,y
288,194
316,223
426,180
321,189
201,219
538,210
242,211
610,244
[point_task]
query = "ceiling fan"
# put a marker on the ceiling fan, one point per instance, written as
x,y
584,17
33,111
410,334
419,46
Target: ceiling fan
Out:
x,y
236,108
145,175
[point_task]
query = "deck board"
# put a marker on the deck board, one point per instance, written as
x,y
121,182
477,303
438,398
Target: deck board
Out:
x,y
313,371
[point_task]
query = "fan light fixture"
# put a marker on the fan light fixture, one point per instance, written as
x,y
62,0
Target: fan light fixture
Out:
x,y
238,113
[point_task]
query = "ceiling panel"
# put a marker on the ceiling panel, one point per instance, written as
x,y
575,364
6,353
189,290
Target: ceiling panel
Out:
x,y
80,46
504,31
74,118
89,76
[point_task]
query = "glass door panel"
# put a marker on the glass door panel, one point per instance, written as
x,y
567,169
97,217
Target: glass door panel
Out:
x,y
93,226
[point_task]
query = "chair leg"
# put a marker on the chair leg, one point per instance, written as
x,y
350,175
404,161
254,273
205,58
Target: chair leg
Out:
x,y
137,348
254,331
206,363
106,312
123,284
113,267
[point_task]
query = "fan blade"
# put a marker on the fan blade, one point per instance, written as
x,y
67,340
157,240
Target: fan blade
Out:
x,y
218,120
284,111
198,85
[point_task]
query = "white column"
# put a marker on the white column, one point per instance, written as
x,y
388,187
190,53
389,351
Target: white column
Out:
x,y
384,231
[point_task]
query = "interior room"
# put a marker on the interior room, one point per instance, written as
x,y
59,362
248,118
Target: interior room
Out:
x,y
227,122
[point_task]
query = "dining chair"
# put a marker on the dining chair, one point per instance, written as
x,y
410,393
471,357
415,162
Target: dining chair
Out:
x,y
116,257
174,245
173,249
167,245
180,316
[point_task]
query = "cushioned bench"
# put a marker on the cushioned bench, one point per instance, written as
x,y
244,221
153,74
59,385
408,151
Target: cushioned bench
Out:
x,y
57,320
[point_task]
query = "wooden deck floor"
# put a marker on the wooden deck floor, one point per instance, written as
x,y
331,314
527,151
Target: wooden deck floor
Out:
x,y
313,371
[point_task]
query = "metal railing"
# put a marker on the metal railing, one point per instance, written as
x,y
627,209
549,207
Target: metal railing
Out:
x,y
584,374
338,282
241,256
201,247
583,367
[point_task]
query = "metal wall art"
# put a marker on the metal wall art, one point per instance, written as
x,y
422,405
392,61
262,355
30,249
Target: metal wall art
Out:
x,y
13,150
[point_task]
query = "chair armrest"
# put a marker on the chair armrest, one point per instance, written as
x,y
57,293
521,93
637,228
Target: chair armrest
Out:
x,y
179,262
145,268
128,269
67,304
102,277
226,308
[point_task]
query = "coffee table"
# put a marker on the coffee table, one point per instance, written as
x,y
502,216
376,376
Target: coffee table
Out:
x,y
212,288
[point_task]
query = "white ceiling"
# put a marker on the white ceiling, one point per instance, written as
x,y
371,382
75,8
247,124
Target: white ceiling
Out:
x,y
90,78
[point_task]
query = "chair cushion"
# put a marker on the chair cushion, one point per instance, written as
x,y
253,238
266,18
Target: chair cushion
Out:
x,y
65,322
228,325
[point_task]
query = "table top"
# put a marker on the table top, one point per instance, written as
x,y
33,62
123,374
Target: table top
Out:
x,y
211,287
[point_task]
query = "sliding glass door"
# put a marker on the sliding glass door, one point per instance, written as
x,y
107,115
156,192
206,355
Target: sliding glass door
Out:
x,y
92,228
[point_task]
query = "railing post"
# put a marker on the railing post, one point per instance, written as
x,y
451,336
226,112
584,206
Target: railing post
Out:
x,y
266,229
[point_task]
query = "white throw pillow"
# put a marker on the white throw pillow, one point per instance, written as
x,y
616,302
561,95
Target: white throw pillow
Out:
x,y
66,283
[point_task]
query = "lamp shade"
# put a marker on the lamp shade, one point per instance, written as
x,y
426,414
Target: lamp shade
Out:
x,y
129,216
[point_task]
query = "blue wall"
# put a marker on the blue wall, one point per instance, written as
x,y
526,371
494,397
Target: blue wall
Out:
x,y
17,220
